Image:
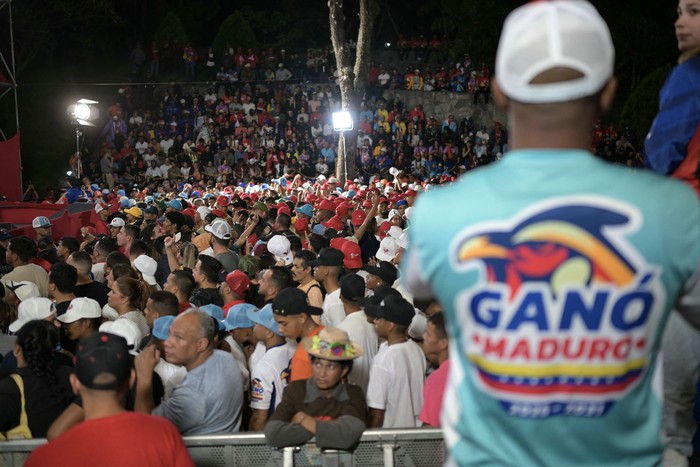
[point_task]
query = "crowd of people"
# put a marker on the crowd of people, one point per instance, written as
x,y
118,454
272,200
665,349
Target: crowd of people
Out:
x,y
279,299
300,278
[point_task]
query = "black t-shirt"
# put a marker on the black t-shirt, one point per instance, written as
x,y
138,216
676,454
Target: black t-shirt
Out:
x,y
95,290
43,402
201,297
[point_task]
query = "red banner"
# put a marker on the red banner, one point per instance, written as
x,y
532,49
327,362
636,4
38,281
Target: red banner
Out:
x,y
10,175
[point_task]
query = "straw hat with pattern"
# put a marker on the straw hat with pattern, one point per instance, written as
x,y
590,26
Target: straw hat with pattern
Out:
x,y
332,344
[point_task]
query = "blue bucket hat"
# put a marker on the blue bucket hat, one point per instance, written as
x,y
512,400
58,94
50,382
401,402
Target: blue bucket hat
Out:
x,y
238,317
265,318
306,209
175,204
215,312
161,327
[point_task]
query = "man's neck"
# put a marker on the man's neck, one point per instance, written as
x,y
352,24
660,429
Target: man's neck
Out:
x,y
201,358
100,407
331,284
274,341
82,280
350,308
396,338
218,249
309,327
62,297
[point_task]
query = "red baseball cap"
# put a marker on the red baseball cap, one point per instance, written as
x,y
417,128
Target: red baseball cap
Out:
x,y
333,223
353,254
238,281
218,213
301,224
358,217
326,205
284,210
222,201
384,229
189,212
342,209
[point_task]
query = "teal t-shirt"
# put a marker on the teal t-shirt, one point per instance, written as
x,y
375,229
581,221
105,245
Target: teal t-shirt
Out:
x,y
556,272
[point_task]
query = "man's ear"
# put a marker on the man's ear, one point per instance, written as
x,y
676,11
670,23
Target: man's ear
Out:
x,y
607,96
74,384
498,97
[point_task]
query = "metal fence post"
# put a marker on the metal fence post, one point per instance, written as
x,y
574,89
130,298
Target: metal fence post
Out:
x,y
288,456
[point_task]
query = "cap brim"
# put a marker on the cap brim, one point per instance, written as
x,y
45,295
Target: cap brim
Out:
x,y
314,310
307,343
16,326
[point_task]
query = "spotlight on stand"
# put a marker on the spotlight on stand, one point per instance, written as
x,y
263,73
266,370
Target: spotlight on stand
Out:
x,y
342,122
82,113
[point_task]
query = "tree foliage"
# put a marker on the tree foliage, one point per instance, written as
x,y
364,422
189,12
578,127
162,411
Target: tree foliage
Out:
x,y
171,29
235,30
37,24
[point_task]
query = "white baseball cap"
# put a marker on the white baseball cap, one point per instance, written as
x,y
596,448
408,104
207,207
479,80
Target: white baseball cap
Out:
x,y
117,222
41,222
540,36
24,290
147,266
281,249
203,211
126,329
387,249
219,228
81,307
31,309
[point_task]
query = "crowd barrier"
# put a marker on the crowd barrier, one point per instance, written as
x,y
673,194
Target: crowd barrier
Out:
x,y
388,448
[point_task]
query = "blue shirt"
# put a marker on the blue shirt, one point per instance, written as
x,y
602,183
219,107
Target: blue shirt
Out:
x,y
556,276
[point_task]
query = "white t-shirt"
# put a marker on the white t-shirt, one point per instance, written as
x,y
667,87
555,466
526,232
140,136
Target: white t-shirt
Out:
x,y
171,376
333,309
270,377
141,147
396,384
362,332
256,355
241,361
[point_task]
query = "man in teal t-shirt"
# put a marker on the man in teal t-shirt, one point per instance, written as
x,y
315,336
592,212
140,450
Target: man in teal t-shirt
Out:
x,y
556,270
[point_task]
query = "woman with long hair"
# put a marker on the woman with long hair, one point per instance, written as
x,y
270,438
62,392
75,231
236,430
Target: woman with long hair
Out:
x,y
673,143
46,385
128,296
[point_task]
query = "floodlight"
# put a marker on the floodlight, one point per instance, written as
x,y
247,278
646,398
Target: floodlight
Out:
x,y
342,121
84,112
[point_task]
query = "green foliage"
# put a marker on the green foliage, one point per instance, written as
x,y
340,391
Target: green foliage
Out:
x,y
643,102
171,29
235,30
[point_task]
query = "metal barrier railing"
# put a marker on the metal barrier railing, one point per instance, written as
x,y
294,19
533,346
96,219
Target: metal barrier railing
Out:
x,y
388,448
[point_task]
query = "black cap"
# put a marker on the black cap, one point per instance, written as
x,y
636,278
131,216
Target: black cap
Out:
x,y
328,257
151,210
103,354
5,234
384,270
292,301
380,293
394,309
352,287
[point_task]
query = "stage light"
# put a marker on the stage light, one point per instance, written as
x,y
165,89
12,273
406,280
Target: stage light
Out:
x,y
342,121
84,112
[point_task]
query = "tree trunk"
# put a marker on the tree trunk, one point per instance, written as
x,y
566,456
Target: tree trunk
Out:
x,y
352,79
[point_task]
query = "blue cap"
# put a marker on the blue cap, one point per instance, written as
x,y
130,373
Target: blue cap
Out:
x,y
282,181
238,317
196,194
161,327
265,318
264,186
216,312
209,195
121,192
175,204
401,202
95,187
306,209
319,229
125,203
149,199
351,194
183,195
